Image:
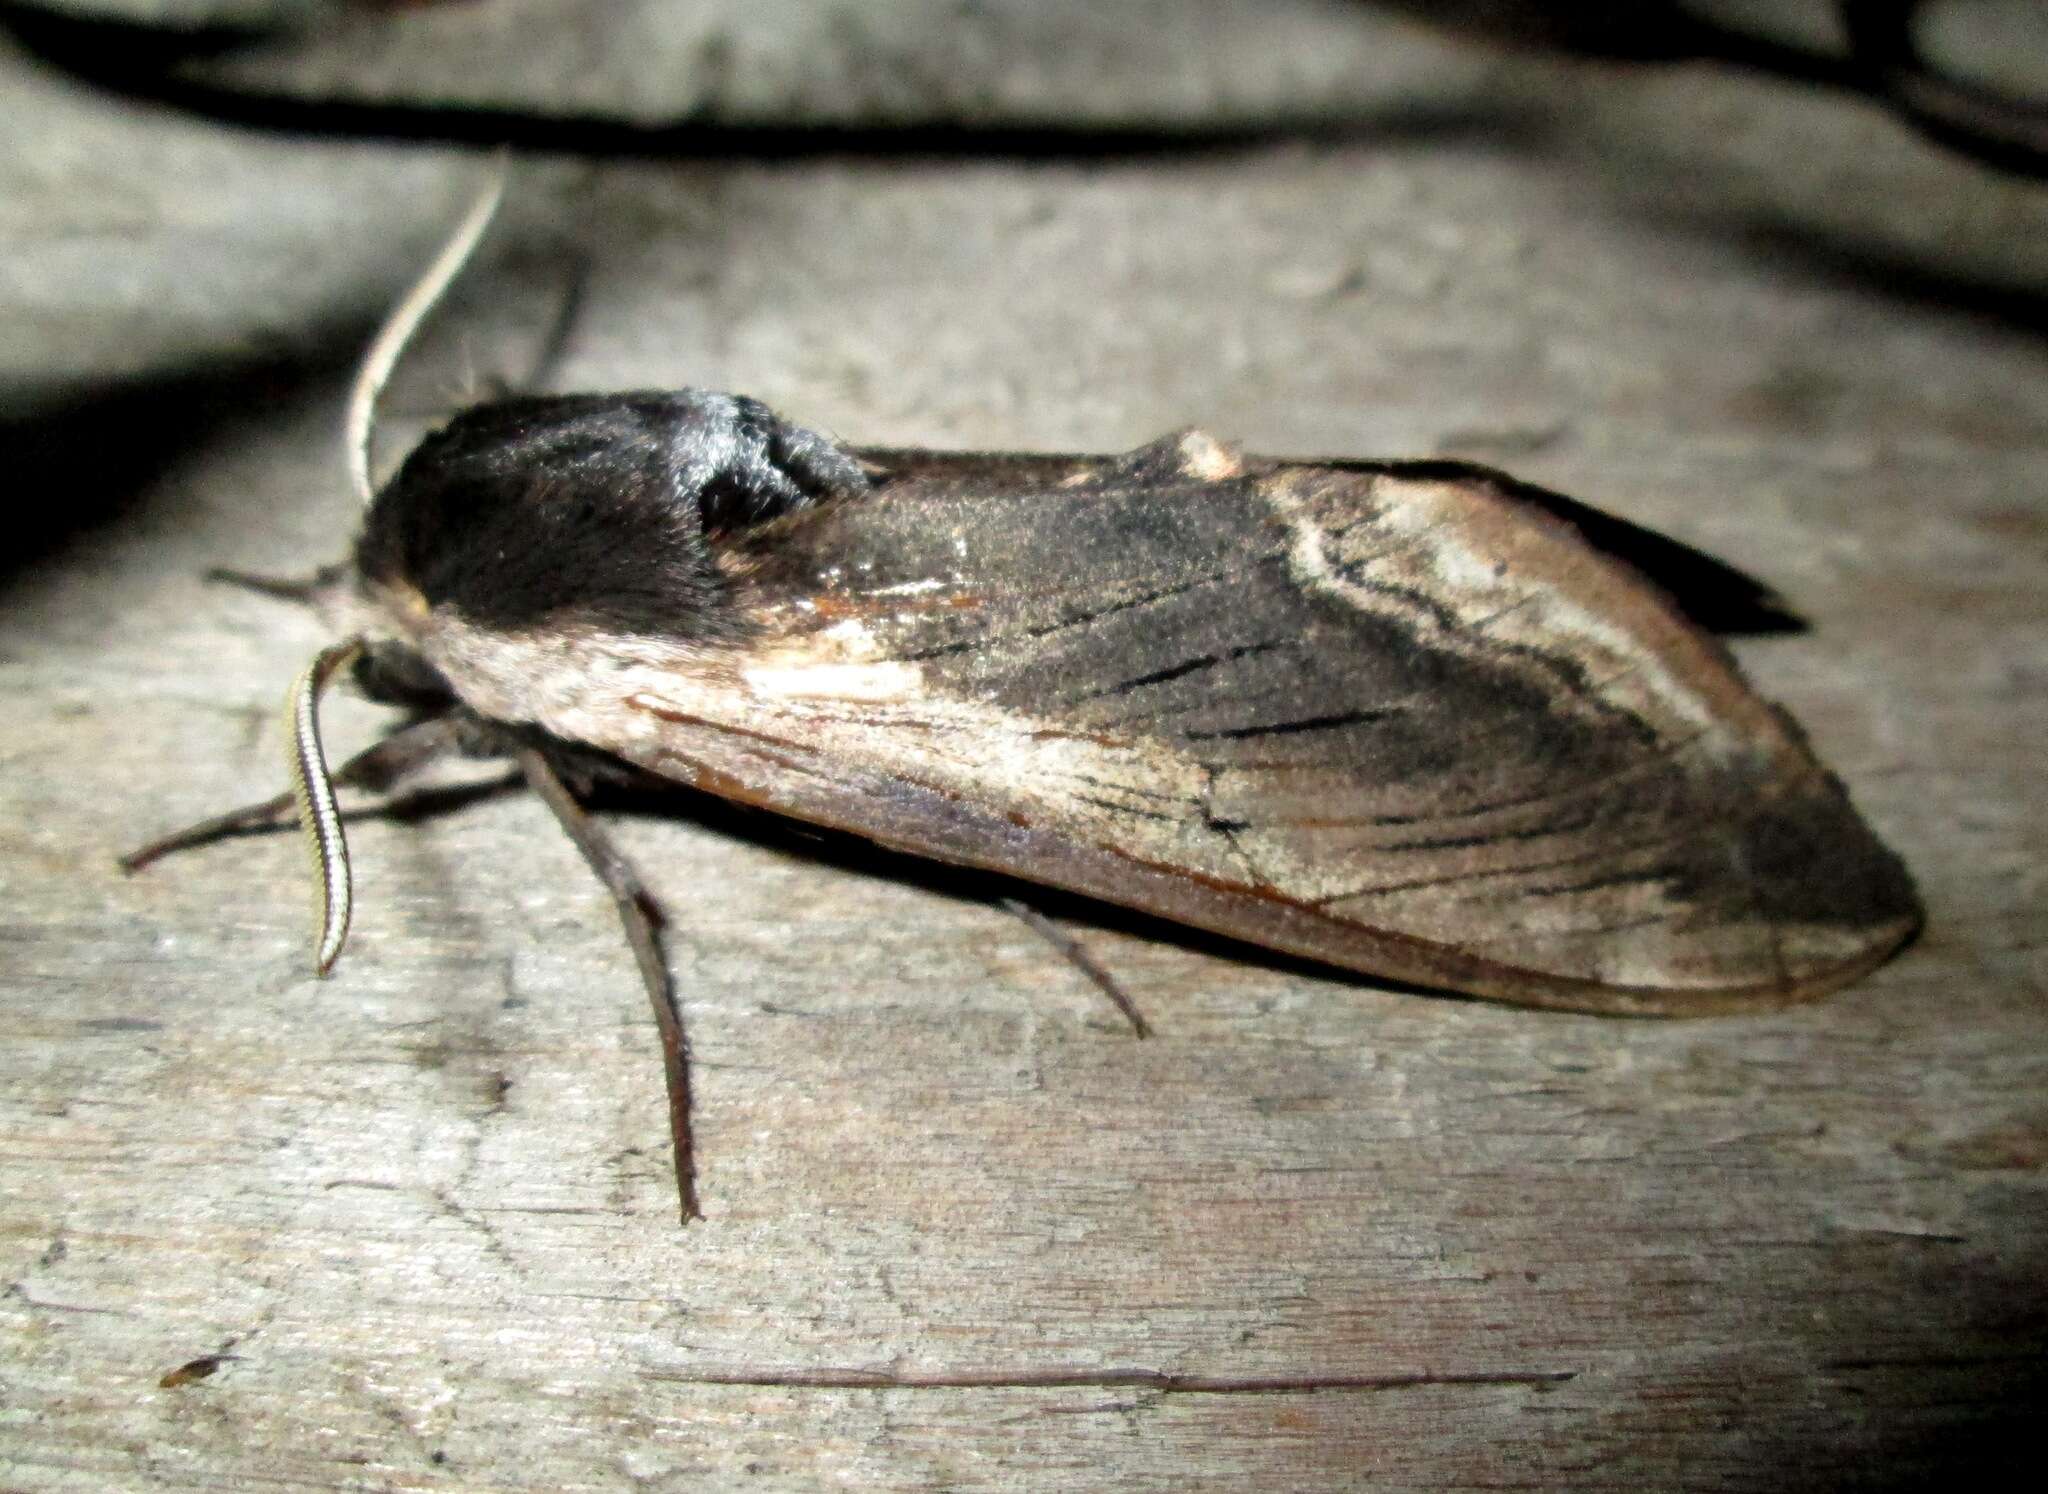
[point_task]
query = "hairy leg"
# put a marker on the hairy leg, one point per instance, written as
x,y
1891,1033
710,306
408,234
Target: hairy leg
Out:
x,y
642,921
1081,960
377,768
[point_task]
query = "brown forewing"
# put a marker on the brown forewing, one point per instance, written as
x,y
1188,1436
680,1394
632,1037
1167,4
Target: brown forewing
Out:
x,y
1405,722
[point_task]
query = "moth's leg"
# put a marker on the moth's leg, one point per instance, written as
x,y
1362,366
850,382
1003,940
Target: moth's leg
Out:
x,y
484,386
377,767
642,919
305,590
556,340
1081,960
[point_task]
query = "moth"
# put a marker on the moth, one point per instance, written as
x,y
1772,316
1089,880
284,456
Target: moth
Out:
x,y
1413,719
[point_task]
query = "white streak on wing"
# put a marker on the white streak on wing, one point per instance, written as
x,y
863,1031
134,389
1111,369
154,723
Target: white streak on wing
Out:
x,y
572,682
1205,457
1553,612
850,638
876,682
568,682
1492,604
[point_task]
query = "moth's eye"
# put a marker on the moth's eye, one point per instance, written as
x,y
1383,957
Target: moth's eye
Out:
x,y
391,674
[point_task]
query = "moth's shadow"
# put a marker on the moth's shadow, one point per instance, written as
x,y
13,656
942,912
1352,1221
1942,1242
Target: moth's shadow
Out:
x,y
103,450
167,67
847,852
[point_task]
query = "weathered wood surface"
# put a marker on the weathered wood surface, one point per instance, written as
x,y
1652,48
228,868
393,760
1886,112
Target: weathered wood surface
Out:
x,y
963,1231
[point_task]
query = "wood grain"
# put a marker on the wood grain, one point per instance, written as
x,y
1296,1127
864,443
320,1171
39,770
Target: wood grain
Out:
x,y
963,1230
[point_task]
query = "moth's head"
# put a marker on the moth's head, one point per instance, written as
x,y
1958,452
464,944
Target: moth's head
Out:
x,y
594,510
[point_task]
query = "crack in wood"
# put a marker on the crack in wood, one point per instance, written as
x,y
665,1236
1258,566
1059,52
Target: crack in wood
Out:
x,y
1161,1381
1931,1362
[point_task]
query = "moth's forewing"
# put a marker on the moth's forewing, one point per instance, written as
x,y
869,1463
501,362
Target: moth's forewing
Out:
x,y
1401,721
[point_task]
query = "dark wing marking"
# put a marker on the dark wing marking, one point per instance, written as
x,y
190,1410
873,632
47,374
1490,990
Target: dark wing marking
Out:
x,y
1709,591
1397,720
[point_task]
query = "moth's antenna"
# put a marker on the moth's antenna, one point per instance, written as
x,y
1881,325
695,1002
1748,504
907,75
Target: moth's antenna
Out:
x,y
314,791
390,342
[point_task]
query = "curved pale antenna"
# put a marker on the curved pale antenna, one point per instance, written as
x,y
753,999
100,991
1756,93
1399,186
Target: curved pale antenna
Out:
x,y
389,344
319,816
